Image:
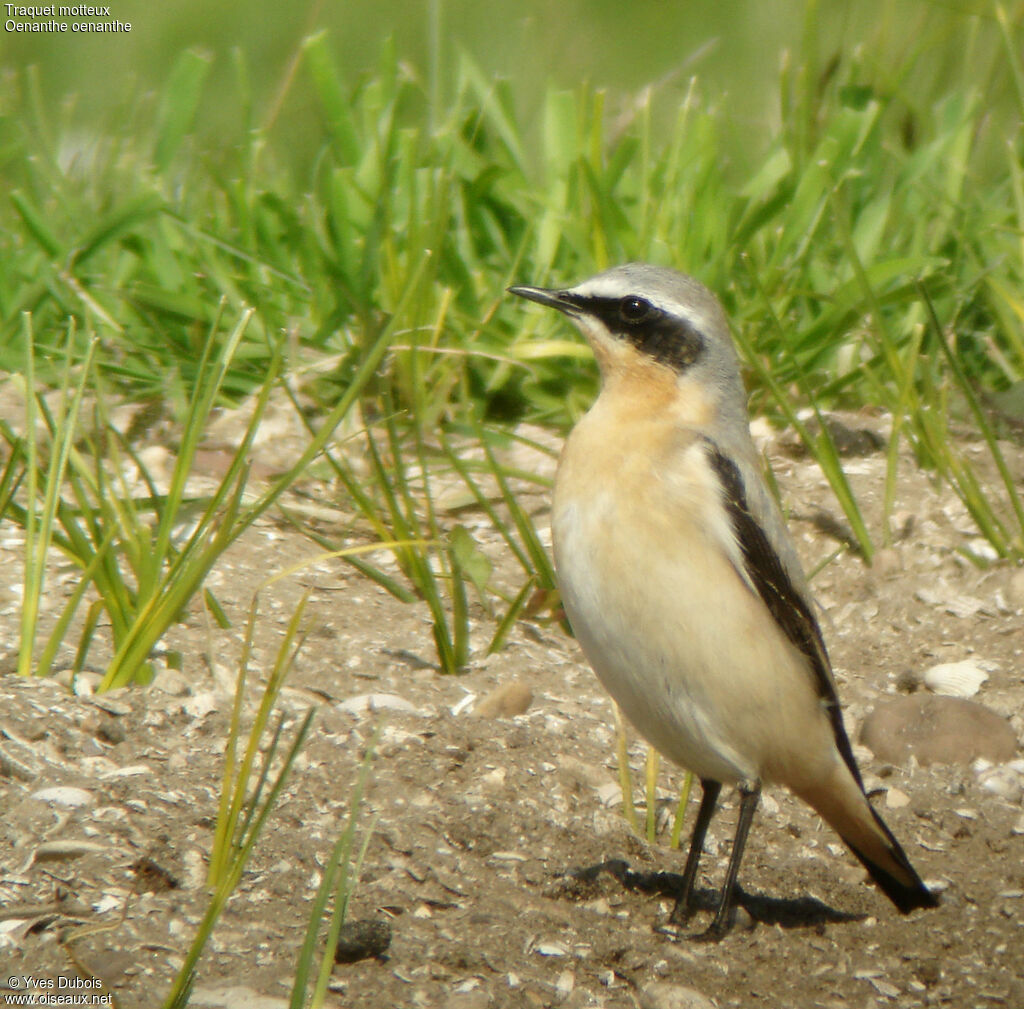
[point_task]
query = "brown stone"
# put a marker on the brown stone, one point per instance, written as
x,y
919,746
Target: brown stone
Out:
x,y
937,730
506,700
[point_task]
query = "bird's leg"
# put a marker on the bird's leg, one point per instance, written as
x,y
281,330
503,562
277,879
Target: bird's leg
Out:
x,y
708,799
750,793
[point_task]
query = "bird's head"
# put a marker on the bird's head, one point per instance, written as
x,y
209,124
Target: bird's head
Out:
x,y
658,331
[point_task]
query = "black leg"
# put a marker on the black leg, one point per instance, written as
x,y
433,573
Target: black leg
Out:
x,y
708,799
749,796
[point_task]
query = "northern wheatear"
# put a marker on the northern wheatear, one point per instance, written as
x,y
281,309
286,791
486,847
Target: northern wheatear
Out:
x,y
681,582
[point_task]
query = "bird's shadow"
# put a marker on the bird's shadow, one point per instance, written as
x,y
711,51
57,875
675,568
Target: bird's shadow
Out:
x,y
799,912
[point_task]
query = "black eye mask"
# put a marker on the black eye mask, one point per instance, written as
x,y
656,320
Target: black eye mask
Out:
x,y
666,338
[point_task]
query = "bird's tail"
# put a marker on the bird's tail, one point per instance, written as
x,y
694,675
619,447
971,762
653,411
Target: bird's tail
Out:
x,y
845,807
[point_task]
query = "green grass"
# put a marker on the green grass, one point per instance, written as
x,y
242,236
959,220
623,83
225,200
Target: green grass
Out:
x,y
872,259
245,808
248,797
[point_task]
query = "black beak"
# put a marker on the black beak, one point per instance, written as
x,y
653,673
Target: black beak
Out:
x,y
561,300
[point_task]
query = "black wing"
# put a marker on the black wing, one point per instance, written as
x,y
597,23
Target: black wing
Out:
x,y
785,602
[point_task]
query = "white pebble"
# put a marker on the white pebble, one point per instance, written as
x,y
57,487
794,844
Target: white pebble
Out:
x,y
65,795
896,798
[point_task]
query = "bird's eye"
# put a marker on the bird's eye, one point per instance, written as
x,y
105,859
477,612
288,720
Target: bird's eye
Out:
x,y
634,309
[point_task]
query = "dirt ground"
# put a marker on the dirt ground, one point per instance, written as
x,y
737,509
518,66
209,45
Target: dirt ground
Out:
x,y
478,814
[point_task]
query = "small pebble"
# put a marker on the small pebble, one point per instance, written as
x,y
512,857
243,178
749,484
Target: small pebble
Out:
x,y
1004,780
565,983
665,995
742,920
65,795
362,939
551,949
506,700
896,798
111,705
170,681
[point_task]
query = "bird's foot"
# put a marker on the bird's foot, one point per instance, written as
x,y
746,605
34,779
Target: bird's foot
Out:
x,y
715,932
681,914
675,928
679,933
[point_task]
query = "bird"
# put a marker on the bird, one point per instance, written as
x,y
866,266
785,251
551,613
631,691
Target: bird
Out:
x,y
682,585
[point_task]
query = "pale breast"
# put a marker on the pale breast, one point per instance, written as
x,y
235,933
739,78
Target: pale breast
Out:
x,y
647,567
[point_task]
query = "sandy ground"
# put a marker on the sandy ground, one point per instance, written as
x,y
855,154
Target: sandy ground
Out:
x,y
479,813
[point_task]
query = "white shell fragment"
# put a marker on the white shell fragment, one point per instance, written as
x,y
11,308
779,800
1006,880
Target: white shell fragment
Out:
x,y
610,794
551,949
64,848
955,679
363,704
65,795
1004,780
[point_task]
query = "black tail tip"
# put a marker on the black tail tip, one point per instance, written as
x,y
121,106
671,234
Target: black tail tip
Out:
x,y
913,898
906,896
906,889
